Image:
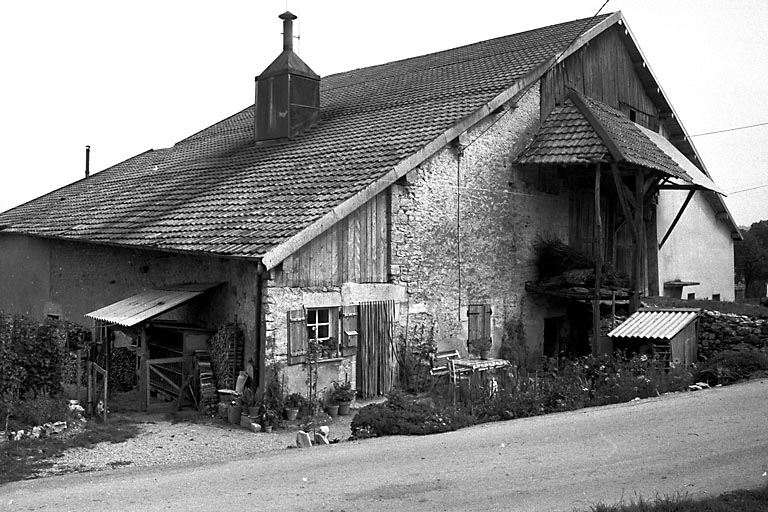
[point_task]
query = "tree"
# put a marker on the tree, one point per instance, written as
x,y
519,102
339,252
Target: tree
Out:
x,y
751,254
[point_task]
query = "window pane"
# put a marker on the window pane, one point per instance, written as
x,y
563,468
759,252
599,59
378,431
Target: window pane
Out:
x,y
311,316
322,316
322,331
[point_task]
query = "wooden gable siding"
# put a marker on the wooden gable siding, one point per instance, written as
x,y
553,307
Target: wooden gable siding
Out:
x,y
602,70
355,249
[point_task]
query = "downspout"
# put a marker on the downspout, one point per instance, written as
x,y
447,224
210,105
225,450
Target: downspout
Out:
x,y
260,381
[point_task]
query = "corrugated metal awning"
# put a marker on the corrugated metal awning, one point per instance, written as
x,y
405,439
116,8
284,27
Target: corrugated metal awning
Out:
x,y
149,304
655,323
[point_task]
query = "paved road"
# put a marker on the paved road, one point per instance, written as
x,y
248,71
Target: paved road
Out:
x,y
703,442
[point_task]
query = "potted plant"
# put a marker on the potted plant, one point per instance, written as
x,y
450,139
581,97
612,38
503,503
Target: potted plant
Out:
x,y
293,404
249,401
480,346
343,394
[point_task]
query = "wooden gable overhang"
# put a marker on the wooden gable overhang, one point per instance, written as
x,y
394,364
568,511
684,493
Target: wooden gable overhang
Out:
x,y
587,138
585,133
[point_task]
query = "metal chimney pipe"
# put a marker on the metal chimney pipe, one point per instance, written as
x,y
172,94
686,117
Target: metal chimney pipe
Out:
x,y
87,161
287,18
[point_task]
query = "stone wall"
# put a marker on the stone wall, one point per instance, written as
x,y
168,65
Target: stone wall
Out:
x,y
279,300
463,228
721,331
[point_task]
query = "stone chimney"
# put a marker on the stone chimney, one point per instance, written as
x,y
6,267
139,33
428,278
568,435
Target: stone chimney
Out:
x,y
287,93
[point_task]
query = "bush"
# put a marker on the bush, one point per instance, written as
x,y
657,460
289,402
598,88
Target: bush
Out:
x,y
41,409
403,415
731,366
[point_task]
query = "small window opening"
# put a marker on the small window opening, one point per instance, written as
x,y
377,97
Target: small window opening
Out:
x,y
691,296
632,115
716,297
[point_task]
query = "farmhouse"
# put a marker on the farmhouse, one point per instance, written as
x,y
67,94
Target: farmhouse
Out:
x,y
390,205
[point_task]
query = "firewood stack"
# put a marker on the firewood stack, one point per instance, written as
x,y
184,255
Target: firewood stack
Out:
x,y
226,349
208,394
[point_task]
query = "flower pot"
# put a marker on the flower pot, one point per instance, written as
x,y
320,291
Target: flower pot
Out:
x,y
235,411
291,413
344,407
268,429
484,354
253,411
332,410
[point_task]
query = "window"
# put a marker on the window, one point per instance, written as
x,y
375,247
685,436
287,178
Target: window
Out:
x,y
691,296
313,325
716,297
319,324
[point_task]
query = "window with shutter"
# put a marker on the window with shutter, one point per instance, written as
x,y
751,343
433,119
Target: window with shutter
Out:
x,y
479,327
297,336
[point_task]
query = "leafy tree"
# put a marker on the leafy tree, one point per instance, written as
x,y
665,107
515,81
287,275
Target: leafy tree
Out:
x,y
751,254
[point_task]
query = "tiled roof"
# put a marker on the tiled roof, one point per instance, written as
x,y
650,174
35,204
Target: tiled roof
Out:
x,y
216,192
565,138
568,137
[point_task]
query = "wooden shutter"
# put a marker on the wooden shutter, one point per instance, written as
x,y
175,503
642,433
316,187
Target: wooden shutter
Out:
x,y
297,336
349,332
474,317
478,323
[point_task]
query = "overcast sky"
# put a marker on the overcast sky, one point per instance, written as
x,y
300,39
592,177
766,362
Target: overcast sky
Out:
x,y
125,77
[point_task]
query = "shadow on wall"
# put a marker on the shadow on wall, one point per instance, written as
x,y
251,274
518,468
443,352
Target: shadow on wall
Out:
x,y
513,345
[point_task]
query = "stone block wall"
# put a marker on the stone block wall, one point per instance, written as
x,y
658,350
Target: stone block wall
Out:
x,y
722,331
463,228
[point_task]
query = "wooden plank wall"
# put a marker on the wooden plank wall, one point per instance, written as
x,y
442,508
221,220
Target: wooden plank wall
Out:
x,y
603,70
355,249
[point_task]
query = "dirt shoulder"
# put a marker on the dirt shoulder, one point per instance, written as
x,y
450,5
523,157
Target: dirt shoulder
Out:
x,y
167,440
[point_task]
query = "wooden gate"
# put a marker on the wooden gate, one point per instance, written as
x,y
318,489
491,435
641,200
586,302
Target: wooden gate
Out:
x,y
376,363
164,378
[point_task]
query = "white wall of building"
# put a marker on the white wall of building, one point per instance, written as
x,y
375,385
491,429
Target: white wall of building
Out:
x,y
700,248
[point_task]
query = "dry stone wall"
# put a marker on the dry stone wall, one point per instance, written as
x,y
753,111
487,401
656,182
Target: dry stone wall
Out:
x,y
722,331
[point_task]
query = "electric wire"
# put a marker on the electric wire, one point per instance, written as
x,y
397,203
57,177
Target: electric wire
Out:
x,y
730,129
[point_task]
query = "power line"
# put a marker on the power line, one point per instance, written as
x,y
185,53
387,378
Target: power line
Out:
x,y
729,129
748,189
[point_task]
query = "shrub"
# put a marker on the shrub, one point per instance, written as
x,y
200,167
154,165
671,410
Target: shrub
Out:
x,y
731,366
40,409
403,415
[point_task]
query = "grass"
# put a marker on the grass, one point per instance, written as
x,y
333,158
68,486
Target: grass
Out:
x,y
755,500
24,459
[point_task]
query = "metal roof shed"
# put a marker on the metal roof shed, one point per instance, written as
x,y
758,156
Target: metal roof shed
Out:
x,y
672,333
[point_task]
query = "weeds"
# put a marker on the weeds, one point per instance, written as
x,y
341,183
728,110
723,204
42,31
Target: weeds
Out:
x,y
737,501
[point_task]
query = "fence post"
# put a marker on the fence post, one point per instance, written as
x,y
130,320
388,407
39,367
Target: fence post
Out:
x,y
90,387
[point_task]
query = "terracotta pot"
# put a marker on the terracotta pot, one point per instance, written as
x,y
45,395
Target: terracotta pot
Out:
x,y
484,354
291,413
344,407
332,410
268,429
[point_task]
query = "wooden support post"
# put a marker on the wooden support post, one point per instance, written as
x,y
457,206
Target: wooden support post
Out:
x,y
143,370
598,266
639,252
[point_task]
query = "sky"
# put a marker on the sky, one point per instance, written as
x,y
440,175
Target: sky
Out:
x,y
125,77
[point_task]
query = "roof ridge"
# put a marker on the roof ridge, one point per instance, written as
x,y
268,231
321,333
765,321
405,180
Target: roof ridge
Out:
x,y
484,42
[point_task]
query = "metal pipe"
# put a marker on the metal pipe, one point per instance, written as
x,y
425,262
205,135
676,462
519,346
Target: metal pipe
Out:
x,y
287,18
87,161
